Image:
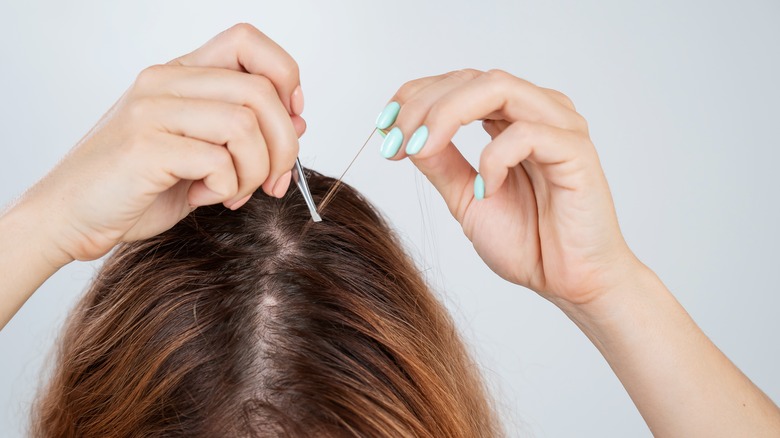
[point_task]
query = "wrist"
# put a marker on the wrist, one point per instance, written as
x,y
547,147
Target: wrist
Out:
x,y
28,256
29,229
630,284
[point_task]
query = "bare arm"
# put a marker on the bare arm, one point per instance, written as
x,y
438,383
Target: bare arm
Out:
x,y
682,384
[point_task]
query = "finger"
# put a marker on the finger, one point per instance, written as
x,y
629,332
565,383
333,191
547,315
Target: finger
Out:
x,y
493,95
252,91
183,158
560,153
220,123
300,125
244,48
559,97
452,176
494,127
411,88
415,107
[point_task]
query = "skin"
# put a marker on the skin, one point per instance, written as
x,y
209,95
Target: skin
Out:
x,y
216,124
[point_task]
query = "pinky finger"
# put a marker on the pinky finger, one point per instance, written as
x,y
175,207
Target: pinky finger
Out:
x,y
563,156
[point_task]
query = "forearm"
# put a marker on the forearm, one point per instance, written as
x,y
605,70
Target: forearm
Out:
x,y
27,258
682,384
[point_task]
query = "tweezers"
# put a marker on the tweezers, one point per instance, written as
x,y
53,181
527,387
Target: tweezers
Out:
x,y
300,180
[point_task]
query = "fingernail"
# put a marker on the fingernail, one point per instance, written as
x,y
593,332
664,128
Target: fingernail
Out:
x,y
479,187
282,185
417,141
240,203
296,101
392,143
388,115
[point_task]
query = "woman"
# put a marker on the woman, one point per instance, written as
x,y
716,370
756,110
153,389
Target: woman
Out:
x,y
260,322
539,212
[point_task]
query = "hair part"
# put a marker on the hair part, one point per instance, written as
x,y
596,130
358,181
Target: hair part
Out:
x,y
261,323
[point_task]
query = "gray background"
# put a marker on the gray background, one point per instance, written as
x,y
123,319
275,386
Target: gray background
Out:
x,y
682,99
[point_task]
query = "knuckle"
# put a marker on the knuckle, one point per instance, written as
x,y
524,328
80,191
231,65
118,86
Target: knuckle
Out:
x,y
138,109
288,69
244,119
438,112
406,92
242,31
579,123
566,100
262,86
412,110
489,158
221,158
524,132
260,89
465,74
561,97
137,144
149,76
498,74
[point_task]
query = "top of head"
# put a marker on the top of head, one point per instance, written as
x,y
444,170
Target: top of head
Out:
x,y
259,322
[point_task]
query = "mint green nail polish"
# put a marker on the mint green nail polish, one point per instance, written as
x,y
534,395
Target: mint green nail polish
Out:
x,y
479,187
392,143
388,115
417,141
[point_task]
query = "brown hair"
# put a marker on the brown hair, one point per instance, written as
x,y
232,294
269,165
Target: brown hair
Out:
x,y
259,322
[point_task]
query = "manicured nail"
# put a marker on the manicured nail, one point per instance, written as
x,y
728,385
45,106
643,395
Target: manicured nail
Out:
x,y
240,202
296,101
417,141
388,115
282,184
479,187
392,143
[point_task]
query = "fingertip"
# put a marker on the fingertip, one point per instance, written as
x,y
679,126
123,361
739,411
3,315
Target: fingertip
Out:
x,y
430,138
479,187
417,141
199,195
387,117
296,101
240,203
282,185
299,124
392,143
268,187
493,177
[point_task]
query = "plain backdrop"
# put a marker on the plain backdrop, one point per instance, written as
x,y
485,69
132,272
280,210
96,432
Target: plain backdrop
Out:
x,y
682,100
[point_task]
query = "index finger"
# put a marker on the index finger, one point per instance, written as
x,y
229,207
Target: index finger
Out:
x,y
244,48
492,95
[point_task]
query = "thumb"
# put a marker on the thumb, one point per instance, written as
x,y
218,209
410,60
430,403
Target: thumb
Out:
x,y
452,175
